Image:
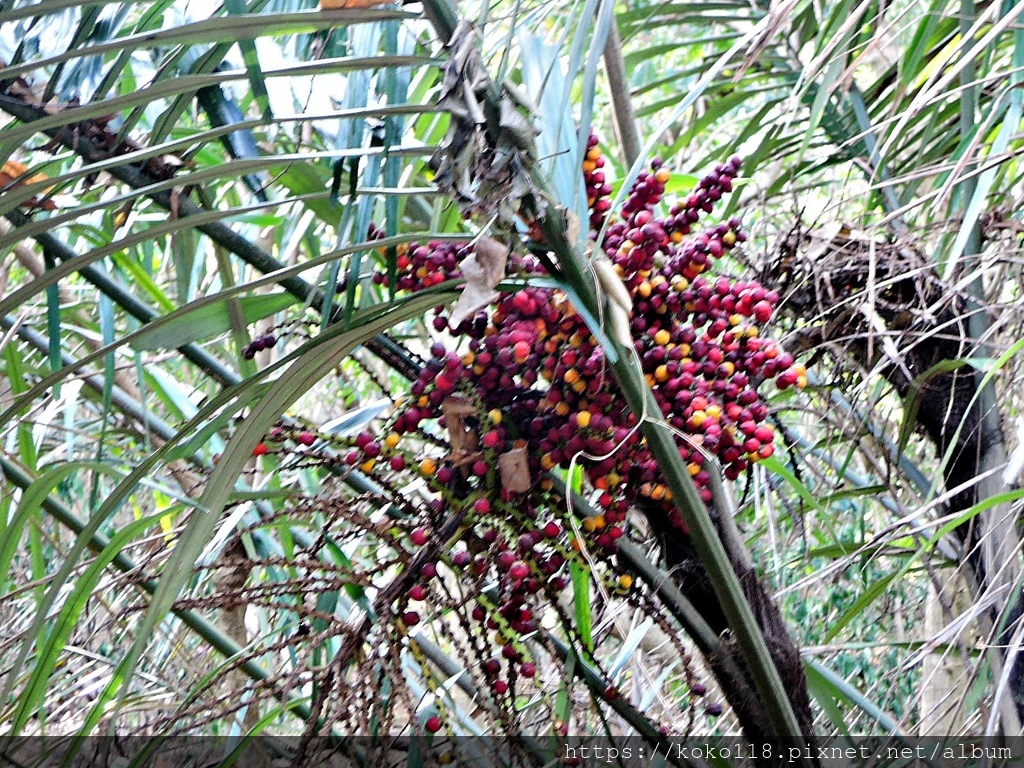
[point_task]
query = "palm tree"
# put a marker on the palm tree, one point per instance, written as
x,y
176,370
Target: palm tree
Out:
x,y
209,216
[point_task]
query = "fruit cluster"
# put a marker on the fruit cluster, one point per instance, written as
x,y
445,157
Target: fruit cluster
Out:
x,y
421,266
534,362
528,392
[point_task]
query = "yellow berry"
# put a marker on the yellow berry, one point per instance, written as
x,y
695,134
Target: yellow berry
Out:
x,y
392,439
428,466
661,373
662,337
367,466
583,419
693,468
495,416
662,175
625,582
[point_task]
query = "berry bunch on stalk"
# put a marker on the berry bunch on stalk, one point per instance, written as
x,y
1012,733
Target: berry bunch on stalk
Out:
x,y
538,375
526,391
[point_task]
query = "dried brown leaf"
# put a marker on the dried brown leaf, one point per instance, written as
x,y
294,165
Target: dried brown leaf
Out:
x,y
514,471
463,439
483,270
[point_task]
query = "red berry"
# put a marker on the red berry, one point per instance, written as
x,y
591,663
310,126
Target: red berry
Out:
x,y
552,529
519,570
528,669
306,438
397,463
411,618
419,537
491,440
433,724
762,311
260,449
417,592
482,506
500,686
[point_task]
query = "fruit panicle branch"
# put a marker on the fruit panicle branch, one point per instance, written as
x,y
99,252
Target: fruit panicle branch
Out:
x,y
524,390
